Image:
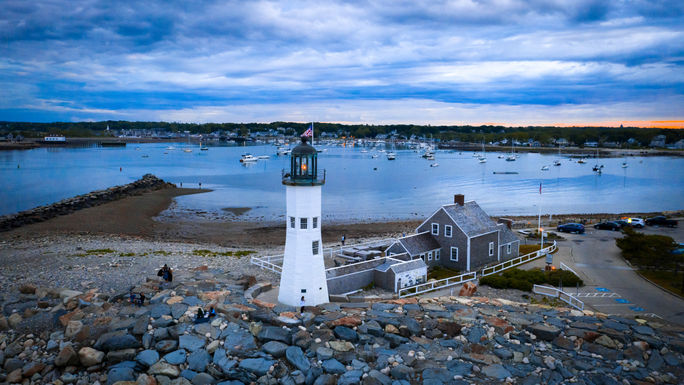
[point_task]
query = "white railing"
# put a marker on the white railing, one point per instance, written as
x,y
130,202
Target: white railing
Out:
x,y
436,285
560,294
274,262
518,260
268,263
566,267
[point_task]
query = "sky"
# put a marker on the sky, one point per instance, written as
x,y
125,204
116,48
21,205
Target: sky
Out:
x,y
510,62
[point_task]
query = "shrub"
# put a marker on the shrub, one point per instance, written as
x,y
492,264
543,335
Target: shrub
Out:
x,y
568,277
525,279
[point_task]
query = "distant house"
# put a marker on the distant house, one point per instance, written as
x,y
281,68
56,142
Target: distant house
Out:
x,y
590,144
459,236
658,141
55,138
679,145
562,142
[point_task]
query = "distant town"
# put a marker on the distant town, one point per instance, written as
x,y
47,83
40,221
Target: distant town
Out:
x,y
282,132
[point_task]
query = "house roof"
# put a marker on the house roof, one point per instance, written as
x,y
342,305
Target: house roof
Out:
x,y
471,218
507,235
419,243
385,266
408,266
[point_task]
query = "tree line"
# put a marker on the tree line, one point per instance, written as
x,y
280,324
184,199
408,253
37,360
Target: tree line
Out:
x,y
467,133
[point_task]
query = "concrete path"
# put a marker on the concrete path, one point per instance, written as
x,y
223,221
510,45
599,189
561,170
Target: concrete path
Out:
x,y
597,260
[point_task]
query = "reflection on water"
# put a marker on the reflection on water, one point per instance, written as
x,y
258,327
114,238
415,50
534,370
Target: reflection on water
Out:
x,y
358,187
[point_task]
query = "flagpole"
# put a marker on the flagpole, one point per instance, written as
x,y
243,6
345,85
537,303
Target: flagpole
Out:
x,y
541,232
313,142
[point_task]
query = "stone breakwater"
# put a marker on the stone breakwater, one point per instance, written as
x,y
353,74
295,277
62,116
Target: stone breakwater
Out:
x,y
71,337
147,183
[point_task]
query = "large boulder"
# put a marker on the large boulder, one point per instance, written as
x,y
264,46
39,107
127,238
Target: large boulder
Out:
x,y
296,357
274,348
147,358
468,289
191,343
164,369
258,366
66,357
176,357
544,332
198,360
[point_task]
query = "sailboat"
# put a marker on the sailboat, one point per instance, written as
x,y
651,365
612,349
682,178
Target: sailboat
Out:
x,y
597,169
203,148
557,162
483,157
545,168
511,158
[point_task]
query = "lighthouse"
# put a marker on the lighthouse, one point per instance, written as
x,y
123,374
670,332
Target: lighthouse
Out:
x,y
303,273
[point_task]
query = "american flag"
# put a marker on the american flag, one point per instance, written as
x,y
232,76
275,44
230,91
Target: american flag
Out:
x,y
540,188
309,132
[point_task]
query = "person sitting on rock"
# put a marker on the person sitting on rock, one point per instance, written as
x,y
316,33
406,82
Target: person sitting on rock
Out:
x,y
201,316
166,273
132,297
212,312
141,299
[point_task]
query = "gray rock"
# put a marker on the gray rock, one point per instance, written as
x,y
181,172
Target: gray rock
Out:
x,y
119,342
401,372
333,366
496,371
642,329
375,377
147,341
120,374
198,360
275,348
159,310
120,355
13,364
147,358
325,379
190,342
345,333
351,377
239,341
166,346
670,359
324,353
610,324
274,333
296,357
161,334
176,357
655,362
544,332
503,353
459,368
140,326
203,379
437,374
231,382
178,309
475,334
258,366
372,327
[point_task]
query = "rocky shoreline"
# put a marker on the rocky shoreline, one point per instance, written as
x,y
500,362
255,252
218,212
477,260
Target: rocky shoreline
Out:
x,y
147,183
87,336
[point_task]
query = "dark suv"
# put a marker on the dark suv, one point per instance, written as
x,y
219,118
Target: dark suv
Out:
x,y
608,226
571,228
661,221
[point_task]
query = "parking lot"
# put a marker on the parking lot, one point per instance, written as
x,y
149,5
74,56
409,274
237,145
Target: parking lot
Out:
x,y
611,285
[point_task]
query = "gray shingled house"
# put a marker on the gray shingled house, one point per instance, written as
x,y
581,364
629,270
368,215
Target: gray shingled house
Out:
x,y
459,236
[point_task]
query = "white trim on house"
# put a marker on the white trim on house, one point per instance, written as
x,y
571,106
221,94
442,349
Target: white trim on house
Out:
x,y
468,255
402,246
451,254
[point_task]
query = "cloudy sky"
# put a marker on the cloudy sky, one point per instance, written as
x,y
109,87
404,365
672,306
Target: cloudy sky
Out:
x,y
513,62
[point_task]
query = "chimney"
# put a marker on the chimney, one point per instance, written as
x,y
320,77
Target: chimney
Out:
x,y
459,199
507,221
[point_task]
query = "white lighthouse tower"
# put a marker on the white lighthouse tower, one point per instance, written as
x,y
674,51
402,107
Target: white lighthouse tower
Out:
x,y
303,273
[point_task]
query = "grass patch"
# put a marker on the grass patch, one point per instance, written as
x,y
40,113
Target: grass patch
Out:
x,y
209,253
525,279
666,279
161,252
526,249
369,286
100,251
555,302
441,272
126,254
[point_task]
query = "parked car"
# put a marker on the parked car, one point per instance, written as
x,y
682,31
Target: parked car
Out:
x,y
636,222
571,228
661,221
607,226
622,223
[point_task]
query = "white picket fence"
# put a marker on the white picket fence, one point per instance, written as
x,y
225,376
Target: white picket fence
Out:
x,y
518,261
560,294
437,285
269,263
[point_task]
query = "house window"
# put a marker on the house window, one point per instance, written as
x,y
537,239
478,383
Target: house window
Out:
x,y
314,222
437,252
292,222
491,248
447,231
314,247
435,229
429,255
303,223
508,248
454,254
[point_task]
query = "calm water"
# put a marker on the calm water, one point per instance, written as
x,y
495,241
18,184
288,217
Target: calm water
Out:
x,y
358,187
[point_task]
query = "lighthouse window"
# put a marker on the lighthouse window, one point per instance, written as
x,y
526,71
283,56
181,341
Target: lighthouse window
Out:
x,y
314,222
292,222
303,223
314,247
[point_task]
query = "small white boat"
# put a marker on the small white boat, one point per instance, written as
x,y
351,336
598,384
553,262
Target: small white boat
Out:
x,y
170,148
556,162
364,151
434,165
476,155
510,158
374,156
382,150
581,161
391,156
500,156
246,158
545,168
187,150
482,159
431,157
624,165
263,157
283,151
